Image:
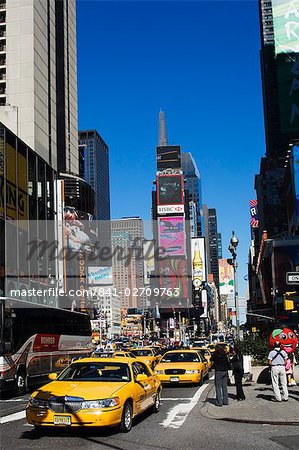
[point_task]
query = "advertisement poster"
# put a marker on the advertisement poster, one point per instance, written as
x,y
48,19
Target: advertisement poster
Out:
x,y
172,235
170,189
254,219
148,260
173,276
204,304
198,258
226,277
99,276
296,178
285,258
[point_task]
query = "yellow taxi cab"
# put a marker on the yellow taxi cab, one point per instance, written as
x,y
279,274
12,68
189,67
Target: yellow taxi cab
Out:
x,y
211,347
181,366
146,354
95,392
206,354
123,354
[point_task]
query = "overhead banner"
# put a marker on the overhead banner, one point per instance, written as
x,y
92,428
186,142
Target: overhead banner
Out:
x,y
226,277
286,39
254,219
198,258
172,235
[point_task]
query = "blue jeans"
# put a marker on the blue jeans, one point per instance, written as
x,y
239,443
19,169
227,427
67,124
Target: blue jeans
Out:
x,y
221,388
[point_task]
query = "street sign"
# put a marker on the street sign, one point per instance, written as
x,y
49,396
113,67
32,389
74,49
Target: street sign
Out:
x,y
293,278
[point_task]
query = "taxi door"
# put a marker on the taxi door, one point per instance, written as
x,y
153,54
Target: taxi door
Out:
x,y
144,391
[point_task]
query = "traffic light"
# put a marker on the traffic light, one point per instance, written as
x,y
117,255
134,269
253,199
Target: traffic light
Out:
x,y
288,301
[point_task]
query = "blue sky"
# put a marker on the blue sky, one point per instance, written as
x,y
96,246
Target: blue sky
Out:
x,y
199,62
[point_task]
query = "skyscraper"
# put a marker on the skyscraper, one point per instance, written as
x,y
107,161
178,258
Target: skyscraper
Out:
x,y
128,272
279,21
193,186
212,242
94,168
38,77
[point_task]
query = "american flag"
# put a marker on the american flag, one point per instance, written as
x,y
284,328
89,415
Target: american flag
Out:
x,y
254,222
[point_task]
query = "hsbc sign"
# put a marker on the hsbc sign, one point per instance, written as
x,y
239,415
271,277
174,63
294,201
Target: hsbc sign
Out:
x,y
171,209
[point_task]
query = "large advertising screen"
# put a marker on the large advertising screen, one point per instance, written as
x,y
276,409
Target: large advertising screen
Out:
x,y
285,258
226,277
168,157
296,178
170,189
172,235
286,38
198,258
173,279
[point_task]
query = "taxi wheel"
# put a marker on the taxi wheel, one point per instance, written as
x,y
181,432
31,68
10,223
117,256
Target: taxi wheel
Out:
x,y
200,383
126,418
157,403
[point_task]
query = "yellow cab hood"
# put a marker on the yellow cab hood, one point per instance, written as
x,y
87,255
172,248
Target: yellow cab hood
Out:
x,y
89,390
178,365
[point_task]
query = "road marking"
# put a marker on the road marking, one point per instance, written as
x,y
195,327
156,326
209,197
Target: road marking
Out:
x,y
12,417
176,399
179,413
15,400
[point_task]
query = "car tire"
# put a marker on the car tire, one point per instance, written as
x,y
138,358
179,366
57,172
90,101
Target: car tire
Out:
x,y
126,418
21,383
156,406
200,383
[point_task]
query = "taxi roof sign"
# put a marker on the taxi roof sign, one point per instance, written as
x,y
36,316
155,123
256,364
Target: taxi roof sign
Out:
x,y
292,277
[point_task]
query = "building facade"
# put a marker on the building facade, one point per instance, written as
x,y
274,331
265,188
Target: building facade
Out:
x,y
193,186
94,168
38,77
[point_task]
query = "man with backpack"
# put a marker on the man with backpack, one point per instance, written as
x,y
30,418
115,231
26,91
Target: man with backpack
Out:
x,y
277,360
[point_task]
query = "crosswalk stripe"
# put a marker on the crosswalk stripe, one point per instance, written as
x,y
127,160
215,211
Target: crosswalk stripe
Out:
x,y
12,417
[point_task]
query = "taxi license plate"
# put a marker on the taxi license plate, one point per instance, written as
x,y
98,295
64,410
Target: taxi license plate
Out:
x,y
62,420
174,379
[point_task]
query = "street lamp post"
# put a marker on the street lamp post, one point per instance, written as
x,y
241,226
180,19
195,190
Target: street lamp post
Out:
x,y
232,248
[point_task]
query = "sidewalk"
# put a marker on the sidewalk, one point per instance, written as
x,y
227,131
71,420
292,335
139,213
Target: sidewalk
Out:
x,y
257,408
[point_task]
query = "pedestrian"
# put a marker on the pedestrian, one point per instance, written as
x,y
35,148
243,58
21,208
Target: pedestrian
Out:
x,y
238,371
277,359
221,365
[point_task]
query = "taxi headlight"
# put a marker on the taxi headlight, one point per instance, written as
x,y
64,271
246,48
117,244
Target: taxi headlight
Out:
x,y
38,403
159,372
192,371
105,403
148,361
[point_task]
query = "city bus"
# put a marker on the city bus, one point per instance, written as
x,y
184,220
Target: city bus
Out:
x,y
36,340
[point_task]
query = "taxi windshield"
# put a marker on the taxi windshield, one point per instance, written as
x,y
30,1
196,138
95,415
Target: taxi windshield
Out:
x,y
142,352
180,357
96,372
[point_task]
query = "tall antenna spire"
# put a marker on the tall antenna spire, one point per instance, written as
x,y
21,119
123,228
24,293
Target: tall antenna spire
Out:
x,y
162,130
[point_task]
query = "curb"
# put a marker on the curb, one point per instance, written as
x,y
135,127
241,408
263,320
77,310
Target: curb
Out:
x,y
204,412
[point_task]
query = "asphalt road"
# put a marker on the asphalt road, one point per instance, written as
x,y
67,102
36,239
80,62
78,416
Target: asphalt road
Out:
x,y
178,425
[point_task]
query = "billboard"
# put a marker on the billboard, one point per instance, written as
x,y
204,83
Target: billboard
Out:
x,y
170,190
148,260
99,276
286,38
296,178
198,258
173,278
204,304
254,218
226,277
172,235
168,157
285,258
171,209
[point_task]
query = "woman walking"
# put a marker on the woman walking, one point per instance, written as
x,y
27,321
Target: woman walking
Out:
x,y
238,371
221,366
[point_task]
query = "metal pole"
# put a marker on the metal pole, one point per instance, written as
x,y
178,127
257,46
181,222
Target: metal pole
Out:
x,y
236,296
